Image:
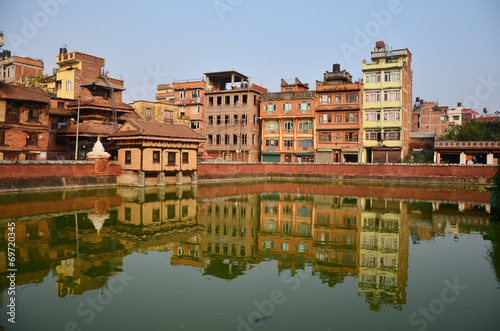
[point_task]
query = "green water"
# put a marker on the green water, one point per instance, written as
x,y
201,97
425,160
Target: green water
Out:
x,y
268,256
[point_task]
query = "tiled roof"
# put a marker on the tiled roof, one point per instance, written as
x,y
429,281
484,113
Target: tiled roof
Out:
x,y
102,83
100,103
14,92
89,129
161,130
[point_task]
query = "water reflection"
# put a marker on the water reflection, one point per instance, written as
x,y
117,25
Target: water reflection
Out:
x,y
82,237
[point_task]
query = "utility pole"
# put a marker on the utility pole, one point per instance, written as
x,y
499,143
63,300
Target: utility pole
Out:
x,y
77,127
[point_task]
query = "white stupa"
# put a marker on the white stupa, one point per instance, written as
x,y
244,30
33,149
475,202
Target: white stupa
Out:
x,y
98,151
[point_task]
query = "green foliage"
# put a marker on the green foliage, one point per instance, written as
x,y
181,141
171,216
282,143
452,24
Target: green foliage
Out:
x,y
414,157
474,131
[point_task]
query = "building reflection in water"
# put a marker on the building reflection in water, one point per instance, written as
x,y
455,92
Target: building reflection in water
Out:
x,y
83,237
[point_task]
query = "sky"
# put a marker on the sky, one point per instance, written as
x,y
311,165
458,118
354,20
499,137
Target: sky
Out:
x,y
455,44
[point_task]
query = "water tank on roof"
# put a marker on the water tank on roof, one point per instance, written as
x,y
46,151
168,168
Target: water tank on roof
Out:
x,y
63,50
336,67
459,104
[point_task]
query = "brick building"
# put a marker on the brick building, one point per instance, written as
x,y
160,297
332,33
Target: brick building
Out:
x,y
338,117
24,122
165,92
231,111
160,112
288,123
429,117
15,68
387,104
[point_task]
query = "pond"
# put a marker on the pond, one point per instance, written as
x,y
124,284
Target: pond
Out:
x,y
266,256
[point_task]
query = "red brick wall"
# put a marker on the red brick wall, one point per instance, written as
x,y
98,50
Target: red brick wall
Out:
x,y
57,169
403,172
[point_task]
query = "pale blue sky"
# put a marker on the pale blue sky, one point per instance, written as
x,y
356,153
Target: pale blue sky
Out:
x,y
455,43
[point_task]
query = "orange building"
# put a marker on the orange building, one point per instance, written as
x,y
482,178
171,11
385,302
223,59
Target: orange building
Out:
x,y
288,123
429,117
15,68
338,117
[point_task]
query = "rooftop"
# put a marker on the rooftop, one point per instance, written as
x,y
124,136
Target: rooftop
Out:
x,y
14,92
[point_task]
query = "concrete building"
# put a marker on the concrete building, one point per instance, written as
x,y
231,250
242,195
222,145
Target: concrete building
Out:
x,y
288,123
231,116
189,97
165,92
455,115
24,122
387,104
467,152
338,117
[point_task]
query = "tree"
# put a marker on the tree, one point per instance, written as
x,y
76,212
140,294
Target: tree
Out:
x,y
474,131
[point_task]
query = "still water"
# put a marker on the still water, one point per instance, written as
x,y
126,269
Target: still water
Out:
x,y
270,256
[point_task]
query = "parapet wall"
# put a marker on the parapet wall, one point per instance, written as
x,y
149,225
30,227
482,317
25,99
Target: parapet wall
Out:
x,y
35,175
399,172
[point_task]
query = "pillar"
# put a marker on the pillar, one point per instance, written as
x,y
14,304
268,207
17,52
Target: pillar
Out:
x,y
161,179
179,178
489,158
463,158
141,179
194,177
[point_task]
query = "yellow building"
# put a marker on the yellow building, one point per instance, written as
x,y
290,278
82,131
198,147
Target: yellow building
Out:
x,y
387,105
160,112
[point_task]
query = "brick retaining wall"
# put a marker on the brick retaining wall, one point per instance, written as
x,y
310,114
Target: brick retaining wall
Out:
x,y
401,172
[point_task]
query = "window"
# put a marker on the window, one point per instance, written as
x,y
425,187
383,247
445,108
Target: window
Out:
x,y
325,137
372,96
227,100
210,120
182,110
235,139
227,119
33,115
156,156
168,115
338,118
128,157
391,95
391,115
69,85
392,76
305,126
271,126
12,115
244,119
226,139
219,122
305,143
236,100
185,158
372,116
288,143
304,106
271,142
245,99
352,98
194,109
325,118
128,214
287,107
456,117
243,139
372,77
373,135
171,158
31,139
210,101
2,137
325,98
148,113
351,118
351,137
219,100
270,108
338,98
235,120
210,139
182,94
288,126
195,93
391,135
218,139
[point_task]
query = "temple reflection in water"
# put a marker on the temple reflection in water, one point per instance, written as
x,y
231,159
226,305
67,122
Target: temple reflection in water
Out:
x,y
82,237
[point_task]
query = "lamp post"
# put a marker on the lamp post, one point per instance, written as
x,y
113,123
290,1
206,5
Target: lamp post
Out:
x,y
77,127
